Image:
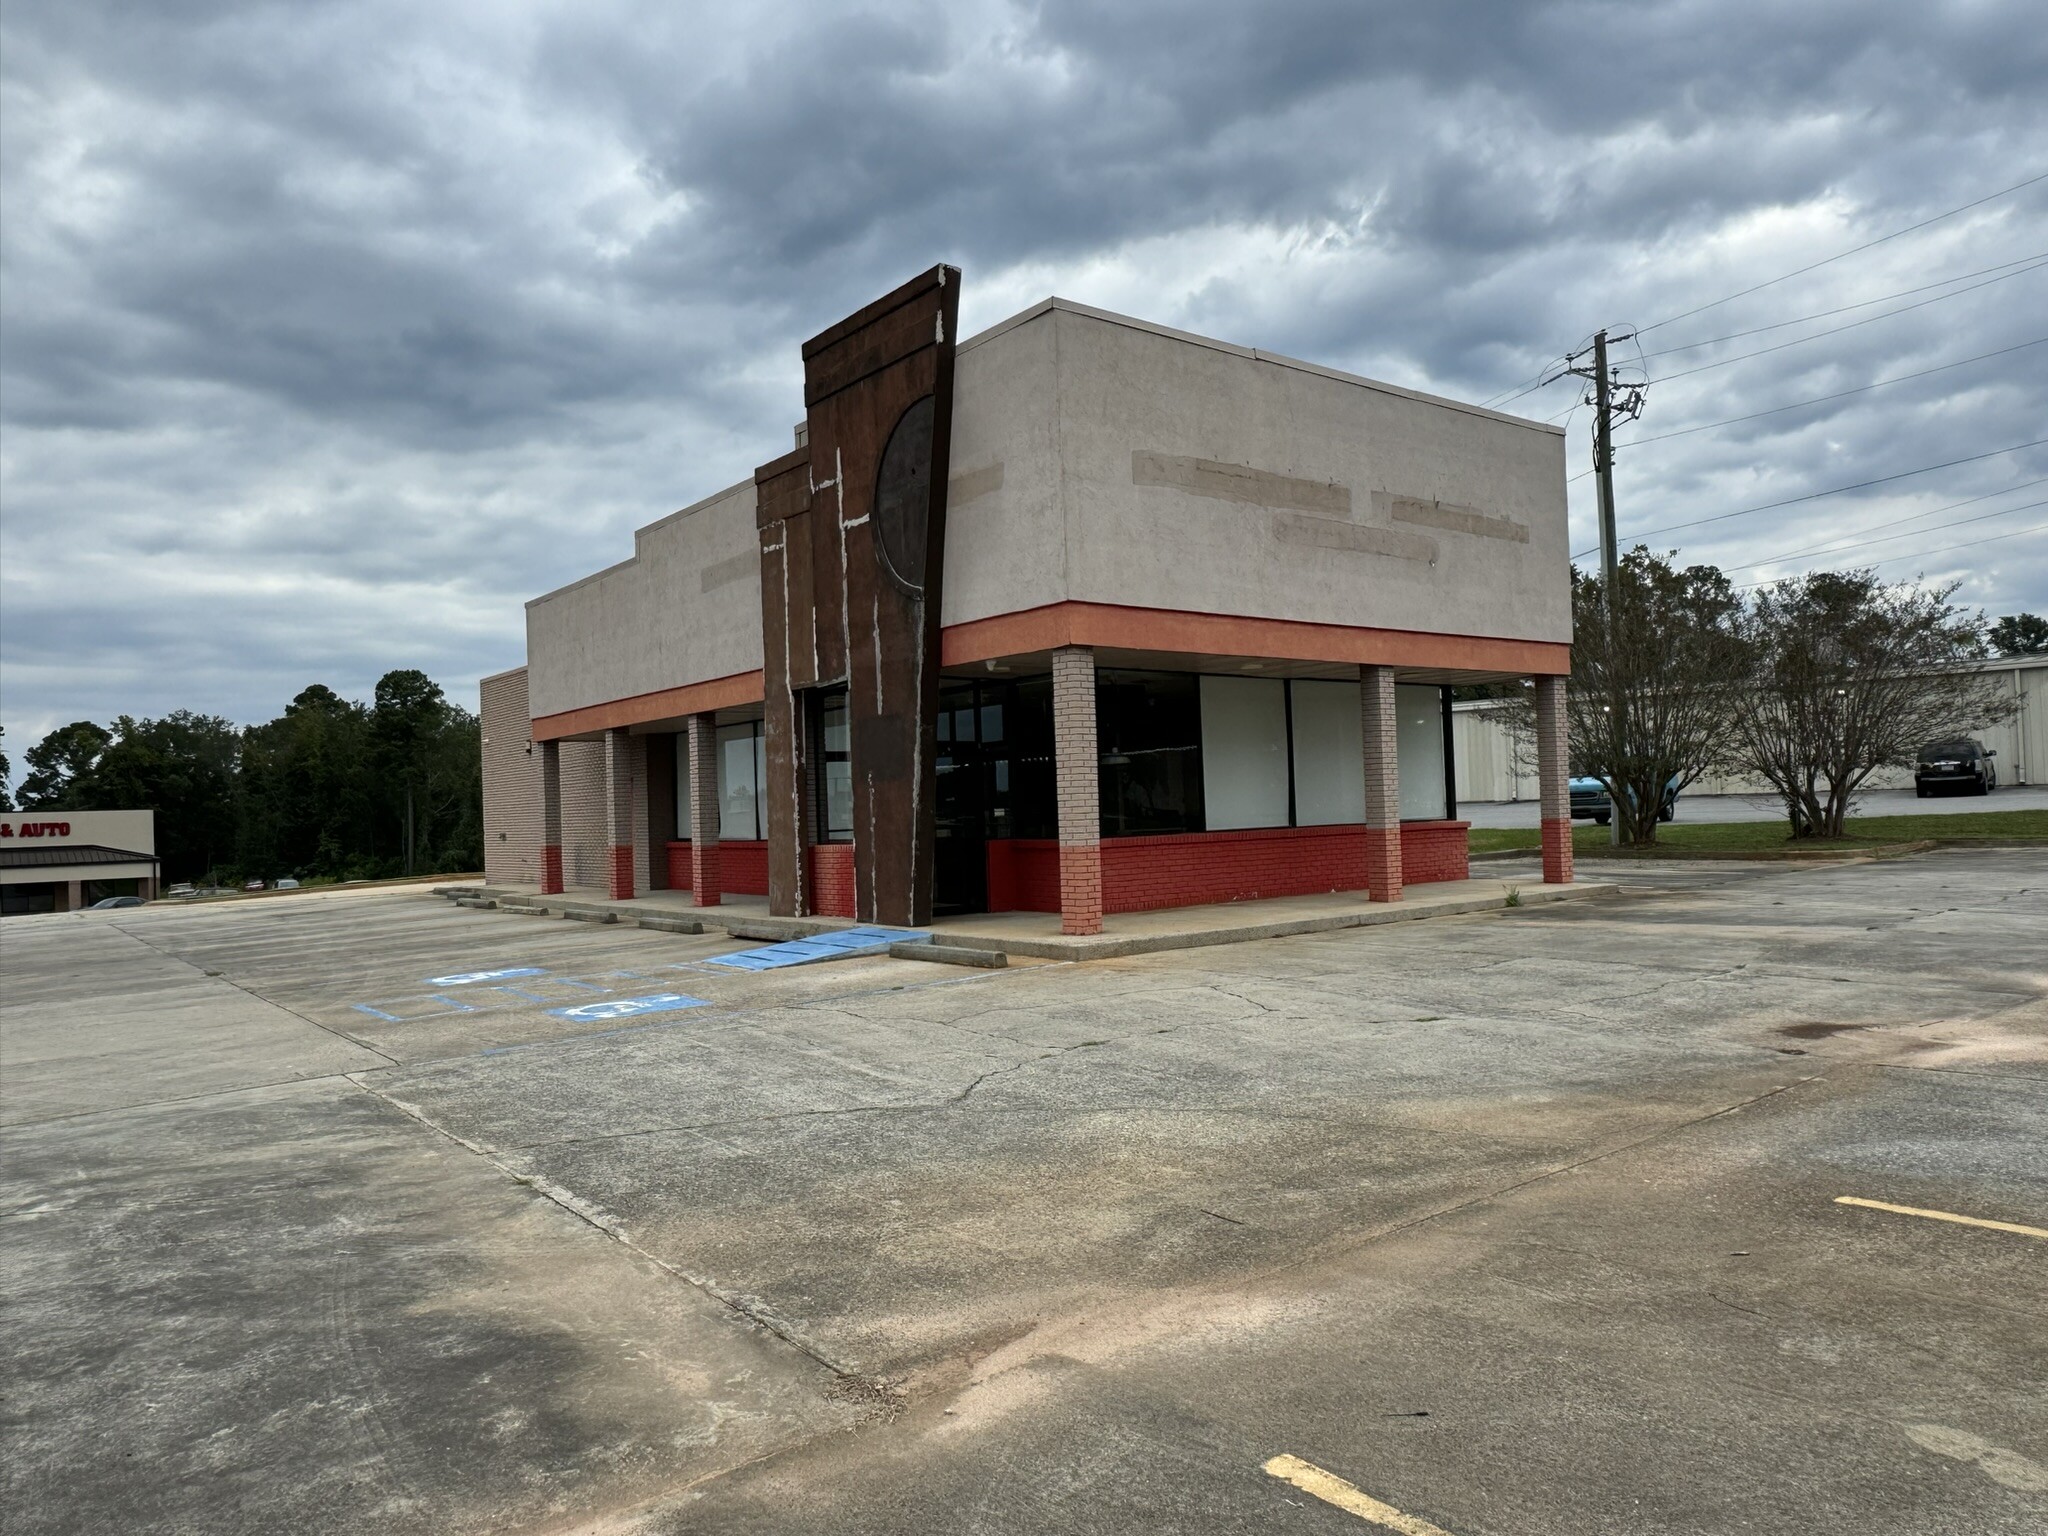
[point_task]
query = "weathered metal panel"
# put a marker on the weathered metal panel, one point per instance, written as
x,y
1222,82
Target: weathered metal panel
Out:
x,y
879,391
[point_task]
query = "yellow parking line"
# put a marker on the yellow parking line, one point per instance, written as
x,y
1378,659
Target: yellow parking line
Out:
x,y
1967,1221
1332,1489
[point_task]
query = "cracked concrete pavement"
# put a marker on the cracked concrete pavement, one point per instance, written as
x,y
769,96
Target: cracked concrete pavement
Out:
x,y
331,1213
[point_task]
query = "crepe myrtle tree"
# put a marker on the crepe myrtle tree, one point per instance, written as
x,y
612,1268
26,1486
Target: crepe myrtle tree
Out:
x,y
1647,707
1844,674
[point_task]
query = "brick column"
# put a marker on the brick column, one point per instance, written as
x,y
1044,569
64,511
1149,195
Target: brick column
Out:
x,y
707,880
550,753
1553,780
1077,768
1382,784
618,812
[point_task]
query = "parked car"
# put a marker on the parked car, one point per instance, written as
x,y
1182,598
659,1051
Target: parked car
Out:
x,y
183,888
286,885
1963,764
109,903
1589,798
252,885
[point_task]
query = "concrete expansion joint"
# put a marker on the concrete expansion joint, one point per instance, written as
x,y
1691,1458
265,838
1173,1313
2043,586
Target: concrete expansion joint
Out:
x,y
751,1309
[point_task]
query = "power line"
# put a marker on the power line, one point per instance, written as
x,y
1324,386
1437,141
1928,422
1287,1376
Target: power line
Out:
x,y
1907,474
1850,325
1638,442
1914,533
1880,240
1922,554
1779,325
1829,549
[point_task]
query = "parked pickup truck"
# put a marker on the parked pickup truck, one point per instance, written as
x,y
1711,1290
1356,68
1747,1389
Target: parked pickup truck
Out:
x,y
1589,798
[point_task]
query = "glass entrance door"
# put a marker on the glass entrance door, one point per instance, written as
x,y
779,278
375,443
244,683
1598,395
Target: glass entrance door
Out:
x,y
960,851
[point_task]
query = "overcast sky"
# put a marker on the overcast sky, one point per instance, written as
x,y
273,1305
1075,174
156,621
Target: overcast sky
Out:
x,y
332,332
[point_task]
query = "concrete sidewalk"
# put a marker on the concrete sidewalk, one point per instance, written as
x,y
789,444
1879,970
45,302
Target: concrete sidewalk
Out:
x,y
1037,935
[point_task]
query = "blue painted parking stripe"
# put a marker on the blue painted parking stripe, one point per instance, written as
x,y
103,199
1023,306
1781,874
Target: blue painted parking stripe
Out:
x,y
470,978
375,1013
628,1007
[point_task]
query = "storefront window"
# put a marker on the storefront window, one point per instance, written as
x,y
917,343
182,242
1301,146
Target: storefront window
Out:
x,y
1149,730
742,774
1329,754
1244,752
1419,742
835,770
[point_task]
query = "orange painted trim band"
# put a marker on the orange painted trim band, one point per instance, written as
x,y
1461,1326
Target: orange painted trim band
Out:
x,y
663,704
1113,627
1108,625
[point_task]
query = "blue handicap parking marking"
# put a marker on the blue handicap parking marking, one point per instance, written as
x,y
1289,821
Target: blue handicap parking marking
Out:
x,y
628,1007
375,1013
470,978
839,944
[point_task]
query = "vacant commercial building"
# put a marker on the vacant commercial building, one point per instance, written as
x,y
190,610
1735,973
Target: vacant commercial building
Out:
x,y
60,861
1078,615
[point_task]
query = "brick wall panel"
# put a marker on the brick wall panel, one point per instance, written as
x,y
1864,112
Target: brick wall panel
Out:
x,y
511,775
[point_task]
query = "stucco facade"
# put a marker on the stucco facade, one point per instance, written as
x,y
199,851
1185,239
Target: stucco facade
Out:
x,y
1171,506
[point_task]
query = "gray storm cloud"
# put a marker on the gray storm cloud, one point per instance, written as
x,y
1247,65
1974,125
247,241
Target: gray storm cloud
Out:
x,y
333,333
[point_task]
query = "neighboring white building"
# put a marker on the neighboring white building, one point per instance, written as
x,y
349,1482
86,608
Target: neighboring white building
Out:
x,y
60,861
1489,768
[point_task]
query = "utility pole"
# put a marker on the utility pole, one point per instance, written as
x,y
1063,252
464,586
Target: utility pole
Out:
x,y
1609,405
1603,457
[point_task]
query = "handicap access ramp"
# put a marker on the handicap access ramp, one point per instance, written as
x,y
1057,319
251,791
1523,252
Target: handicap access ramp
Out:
x,y
838,944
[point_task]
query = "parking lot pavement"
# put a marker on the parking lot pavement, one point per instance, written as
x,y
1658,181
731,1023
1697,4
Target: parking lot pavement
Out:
x,y
1715,808
1517,1223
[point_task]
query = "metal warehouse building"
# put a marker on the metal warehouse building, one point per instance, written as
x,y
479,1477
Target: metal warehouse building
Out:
x,y
1077,615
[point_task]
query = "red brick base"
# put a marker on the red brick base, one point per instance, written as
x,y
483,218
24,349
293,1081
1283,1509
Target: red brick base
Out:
x,y
738,867
831,879
1081,889
622,872
1383,863
551,870
1142,874
1557,850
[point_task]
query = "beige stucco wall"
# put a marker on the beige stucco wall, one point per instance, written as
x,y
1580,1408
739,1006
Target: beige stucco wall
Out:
x,y
1216,479
1005,512
684,609
1101,459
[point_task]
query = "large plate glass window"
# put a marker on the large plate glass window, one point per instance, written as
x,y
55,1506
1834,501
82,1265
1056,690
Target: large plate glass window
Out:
x,y
1329,754
1419,743
1149,730
835,769
1244,752
742,774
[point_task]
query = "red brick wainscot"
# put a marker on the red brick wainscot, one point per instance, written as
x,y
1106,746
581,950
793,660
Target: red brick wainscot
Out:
x,y
831,879
1192,869
742,866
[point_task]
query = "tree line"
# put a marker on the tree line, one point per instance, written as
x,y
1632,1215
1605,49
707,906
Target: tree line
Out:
x,y
1810,684
331,789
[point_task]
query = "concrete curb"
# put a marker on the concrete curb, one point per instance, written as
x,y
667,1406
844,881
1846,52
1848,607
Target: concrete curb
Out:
x,y
989,950
1116,947
949,954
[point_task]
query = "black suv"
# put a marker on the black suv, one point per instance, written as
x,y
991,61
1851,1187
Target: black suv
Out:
x,y
1964,764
